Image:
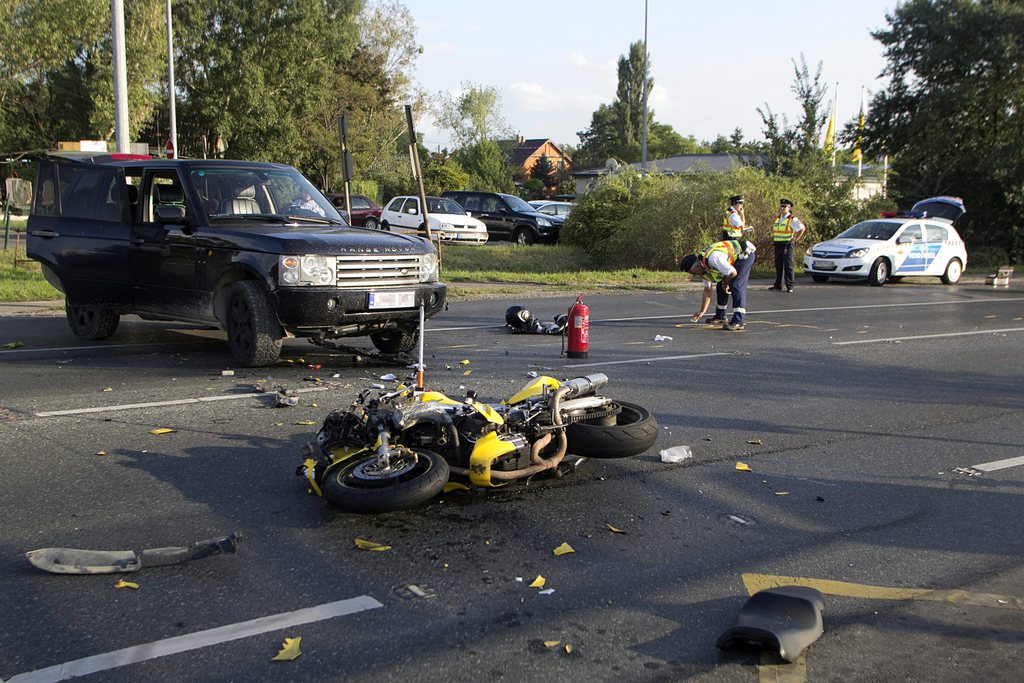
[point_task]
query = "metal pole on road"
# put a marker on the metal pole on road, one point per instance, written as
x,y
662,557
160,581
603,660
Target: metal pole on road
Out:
x,y
170,82
120,76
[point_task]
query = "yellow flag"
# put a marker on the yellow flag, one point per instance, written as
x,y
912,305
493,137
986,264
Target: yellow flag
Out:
x,y
830,133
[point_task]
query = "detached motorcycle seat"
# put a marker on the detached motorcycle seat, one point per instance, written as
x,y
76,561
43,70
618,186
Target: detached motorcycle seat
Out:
x,y
786,619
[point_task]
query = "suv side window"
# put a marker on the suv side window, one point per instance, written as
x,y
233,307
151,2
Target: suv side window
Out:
x,y
46,192
93,193
165,190
491,204
469,202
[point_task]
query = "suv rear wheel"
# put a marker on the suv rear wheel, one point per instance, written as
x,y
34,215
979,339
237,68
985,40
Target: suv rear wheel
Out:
x,y
253,335
91,322
395,341
523,236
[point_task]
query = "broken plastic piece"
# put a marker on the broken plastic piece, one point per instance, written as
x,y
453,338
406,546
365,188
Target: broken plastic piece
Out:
x,y
787,619
743,467
121,583
289,650
563,549
538,582
371,545
662,337
676,454
76,561
161,430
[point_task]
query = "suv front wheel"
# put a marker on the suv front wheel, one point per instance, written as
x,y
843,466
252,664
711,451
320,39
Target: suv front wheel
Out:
x,y
253,335
524,236
91,322
395,341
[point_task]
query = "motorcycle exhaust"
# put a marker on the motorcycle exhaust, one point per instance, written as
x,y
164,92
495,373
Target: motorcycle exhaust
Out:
x,y
587,384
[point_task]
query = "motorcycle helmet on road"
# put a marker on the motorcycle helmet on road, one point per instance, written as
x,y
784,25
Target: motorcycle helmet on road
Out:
x,y
519,319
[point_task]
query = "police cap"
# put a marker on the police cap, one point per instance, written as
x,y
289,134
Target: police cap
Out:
x,y
736,198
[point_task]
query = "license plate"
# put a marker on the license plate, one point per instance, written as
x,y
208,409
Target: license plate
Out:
x,y
392,300
823,265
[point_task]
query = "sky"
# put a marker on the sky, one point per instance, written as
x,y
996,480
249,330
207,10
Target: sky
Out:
x,y
713,64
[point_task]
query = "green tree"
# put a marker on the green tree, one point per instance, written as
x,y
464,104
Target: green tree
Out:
x,y
443,174
488,167
544,171
792,150
952,116
474,115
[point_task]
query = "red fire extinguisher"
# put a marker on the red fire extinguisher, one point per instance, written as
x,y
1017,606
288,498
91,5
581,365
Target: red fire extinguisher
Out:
x,y
578,329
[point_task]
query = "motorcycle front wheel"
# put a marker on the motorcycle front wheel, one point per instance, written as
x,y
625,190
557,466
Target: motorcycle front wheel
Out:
x,y
631,432
411,477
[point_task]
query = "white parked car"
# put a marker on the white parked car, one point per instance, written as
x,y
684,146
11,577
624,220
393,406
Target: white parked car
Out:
x,y
922,241
560,209
448,220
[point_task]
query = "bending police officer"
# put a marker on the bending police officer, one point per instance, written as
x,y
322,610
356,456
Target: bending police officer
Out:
x,y
726,266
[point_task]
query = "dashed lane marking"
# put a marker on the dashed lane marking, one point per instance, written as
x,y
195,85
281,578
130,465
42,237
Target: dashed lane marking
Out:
x,y
195,641
645,360
999,464
929,336
158,404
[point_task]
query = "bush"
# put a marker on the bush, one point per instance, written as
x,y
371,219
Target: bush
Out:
x,y
630,220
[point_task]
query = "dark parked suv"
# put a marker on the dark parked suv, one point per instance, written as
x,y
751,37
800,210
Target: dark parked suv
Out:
x,y
508,217
251,247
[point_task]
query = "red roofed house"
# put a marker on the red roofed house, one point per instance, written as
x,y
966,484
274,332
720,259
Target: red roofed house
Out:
x,y
526,152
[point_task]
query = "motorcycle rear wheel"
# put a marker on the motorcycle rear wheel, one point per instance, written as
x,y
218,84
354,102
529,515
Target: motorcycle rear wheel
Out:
x,y
634,431
413,477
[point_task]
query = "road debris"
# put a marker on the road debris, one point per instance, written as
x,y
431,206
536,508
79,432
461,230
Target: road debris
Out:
x,y
289,650
786,619
662,337
676,454
370,545
77,561
614,529
538,582
285,398
564,549
161,430
121,583
743,467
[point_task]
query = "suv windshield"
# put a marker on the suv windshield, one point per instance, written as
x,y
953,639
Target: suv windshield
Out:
x,y
438,205
870,230
517,204
234,192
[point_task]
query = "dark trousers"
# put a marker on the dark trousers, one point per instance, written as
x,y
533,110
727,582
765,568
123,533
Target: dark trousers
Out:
x,y
783,264
739,292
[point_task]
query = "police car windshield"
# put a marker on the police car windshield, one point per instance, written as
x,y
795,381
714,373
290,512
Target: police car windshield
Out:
x,y
871,230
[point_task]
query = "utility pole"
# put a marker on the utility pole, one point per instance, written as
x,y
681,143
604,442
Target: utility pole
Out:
x,y
643,144
170,82
120,77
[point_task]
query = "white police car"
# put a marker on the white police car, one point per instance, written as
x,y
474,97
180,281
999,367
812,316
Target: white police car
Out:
x,y
922,241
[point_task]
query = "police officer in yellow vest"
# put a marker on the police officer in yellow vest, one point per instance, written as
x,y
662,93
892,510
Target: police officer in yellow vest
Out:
x,y
726,266
734,223
786,230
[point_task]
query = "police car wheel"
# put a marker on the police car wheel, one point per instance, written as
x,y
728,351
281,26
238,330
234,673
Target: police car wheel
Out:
x,y
954,269
879,273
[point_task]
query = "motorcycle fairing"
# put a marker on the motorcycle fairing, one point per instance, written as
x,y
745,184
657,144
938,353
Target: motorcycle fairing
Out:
x,y
488,448
535,388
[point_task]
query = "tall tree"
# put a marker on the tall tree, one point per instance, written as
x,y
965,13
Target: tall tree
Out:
x,y
792,150
474,115
952,116
544,171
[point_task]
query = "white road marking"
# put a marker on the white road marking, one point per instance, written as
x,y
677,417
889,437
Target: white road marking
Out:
x,y
929,336
157,404
999,464
195,641
645,360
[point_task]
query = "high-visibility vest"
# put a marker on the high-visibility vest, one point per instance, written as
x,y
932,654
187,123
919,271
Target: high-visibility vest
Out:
x,y
730,230
731,248
782,230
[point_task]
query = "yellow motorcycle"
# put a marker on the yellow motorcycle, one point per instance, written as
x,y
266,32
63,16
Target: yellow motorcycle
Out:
x,y
397,449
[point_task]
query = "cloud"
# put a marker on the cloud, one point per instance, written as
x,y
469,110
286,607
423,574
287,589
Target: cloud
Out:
x,y
577,59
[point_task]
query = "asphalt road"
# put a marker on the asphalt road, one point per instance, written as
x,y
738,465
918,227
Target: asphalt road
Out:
x,y
879,426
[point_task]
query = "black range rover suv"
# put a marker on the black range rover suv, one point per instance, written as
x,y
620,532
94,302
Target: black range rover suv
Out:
x,y
251,247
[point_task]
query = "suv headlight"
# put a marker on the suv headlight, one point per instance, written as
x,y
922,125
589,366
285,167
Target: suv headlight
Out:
x,y
857,253
311,270
428,267
544,222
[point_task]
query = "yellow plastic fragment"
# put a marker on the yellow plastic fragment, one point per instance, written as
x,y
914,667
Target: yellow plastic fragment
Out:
x,y
126,584
304,422
14,345
370,545
743,467
160,430
538,582
563,549
755,442
568,648
101,452
618,531
463,362
289,650
782,493
552,643
467,373
108,389
315,405
454,486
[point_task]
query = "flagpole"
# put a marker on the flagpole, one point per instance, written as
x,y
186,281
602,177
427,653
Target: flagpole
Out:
x,y
860,132
835,117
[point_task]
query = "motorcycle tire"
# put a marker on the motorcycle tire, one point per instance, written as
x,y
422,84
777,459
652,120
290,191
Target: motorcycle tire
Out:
x,y
360,486
635,431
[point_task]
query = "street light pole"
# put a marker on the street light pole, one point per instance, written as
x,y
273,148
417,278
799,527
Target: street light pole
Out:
x,y
120,76
643,144
170,82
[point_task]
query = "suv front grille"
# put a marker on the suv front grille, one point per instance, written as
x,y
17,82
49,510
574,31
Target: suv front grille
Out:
x,y
368,270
